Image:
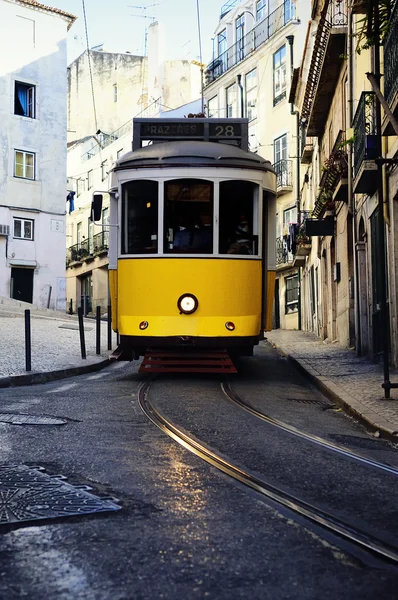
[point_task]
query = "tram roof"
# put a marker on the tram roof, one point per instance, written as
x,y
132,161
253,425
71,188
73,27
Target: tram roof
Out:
x,y
192,153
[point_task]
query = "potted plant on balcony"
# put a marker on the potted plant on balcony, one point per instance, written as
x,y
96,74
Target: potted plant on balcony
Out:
x,y
303,244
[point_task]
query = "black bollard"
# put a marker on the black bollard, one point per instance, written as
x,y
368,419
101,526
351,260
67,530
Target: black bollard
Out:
x,y
109,328
28,348
81,331
98,330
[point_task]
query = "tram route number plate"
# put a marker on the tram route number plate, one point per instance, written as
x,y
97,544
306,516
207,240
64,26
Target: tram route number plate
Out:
x,y
195,129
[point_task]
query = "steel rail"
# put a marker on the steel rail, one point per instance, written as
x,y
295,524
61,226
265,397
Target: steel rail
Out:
x,y
235,398
318,516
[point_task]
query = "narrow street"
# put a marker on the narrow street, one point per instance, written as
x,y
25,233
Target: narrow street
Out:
x,y
185,529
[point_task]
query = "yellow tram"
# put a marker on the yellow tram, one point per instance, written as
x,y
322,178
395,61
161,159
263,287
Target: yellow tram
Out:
x,y
192,239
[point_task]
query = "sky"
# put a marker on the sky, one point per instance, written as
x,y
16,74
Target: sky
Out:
x,y
120,25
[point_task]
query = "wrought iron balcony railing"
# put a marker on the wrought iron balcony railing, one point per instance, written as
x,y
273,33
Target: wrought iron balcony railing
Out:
x,y
365,131
283,169
77,252
100,241
265,29
391,57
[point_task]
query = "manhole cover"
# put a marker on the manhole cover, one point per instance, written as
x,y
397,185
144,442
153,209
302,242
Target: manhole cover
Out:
x,y
21,419
29,494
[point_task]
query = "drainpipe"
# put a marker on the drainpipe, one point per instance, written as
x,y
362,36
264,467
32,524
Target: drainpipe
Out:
x,y
351,197
241,96
290,39
384,317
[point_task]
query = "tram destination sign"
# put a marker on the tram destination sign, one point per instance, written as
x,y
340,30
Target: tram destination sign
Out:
x,y
231,131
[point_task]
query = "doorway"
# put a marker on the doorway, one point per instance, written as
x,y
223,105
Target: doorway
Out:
x,y
22,284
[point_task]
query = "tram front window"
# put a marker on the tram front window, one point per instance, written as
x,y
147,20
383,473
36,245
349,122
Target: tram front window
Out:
x,y
238,222
188,216
140,217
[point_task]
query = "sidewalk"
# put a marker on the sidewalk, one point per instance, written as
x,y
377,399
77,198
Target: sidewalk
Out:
x,y
350,381
55,345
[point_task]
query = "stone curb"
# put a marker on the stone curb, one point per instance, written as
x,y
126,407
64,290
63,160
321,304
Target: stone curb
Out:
x,y
365,415
43,377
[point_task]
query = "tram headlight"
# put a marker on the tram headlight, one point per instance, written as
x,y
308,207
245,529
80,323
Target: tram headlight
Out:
x,y
187,304
143,325
230,326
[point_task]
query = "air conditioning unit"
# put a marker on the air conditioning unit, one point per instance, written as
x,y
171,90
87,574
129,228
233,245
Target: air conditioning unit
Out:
x,y
4,229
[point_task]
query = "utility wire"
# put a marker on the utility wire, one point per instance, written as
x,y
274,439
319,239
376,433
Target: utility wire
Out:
x,y
89,66
200,56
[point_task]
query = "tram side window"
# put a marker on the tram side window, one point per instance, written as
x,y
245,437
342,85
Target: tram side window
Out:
x,y
140,217
188,216
238,222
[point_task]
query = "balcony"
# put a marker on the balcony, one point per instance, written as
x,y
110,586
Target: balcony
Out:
x,y
228,6
307,151
283,169
391,69
77,253
326,62
261,33
88,249
100,242
365,145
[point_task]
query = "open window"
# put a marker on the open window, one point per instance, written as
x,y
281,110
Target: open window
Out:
x,y
140,217
24,99
239,218
188,216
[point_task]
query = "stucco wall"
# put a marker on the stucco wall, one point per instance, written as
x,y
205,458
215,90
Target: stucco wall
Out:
x,y
36,55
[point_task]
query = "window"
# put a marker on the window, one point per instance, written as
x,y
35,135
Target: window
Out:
x,y
288,11
239,30
24,99
281,164
188,216
104,170
279,75
251,95
260,9
238,218
119,153
89,180
115,92
231,101
212,107
23,229
292,294
222,42
140,217
79,186
289,216
79,232
24,165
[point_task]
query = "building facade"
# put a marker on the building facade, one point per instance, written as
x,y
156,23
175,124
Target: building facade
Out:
x,y
33,145
350,271
256,47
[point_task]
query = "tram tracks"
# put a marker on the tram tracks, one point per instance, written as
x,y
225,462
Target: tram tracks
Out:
x,y
315,515
326,444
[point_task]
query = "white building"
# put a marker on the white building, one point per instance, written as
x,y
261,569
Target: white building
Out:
x,y
33,91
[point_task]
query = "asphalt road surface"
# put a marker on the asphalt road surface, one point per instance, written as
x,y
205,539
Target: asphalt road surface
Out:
x,y
185,529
